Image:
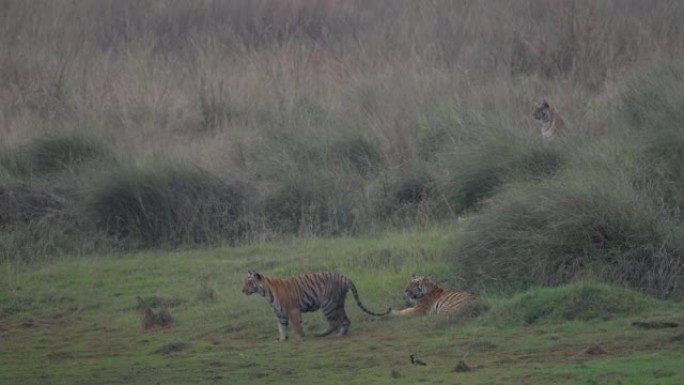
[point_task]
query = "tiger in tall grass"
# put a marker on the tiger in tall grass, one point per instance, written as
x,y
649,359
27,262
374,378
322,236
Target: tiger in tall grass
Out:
x,y
552,123
306,293
428,298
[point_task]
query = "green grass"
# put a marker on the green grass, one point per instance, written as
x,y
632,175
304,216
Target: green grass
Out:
x,y
74,321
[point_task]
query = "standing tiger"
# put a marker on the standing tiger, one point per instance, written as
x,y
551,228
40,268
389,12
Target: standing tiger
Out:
x,y
306,293
428,297
551,121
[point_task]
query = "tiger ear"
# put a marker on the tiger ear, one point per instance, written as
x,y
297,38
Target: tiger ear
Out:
x,y
254,274
413,276
545,104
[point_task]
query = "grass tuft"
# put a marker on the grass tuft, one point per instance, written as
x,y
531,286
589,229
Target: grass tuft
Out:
x,y
150,318
172,347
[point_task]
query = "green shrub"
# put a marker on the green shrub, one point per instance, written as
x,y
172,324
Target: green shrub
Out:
x,y
172,205
652,107
21,202
9,169
584,224
311,185
56,153
477,171
363,153
39,220
575,302
405,194
312,203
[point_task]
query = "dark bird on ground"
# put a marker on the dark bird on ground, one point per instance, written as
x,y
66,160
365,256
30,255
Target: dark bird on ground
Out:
x,y
415,361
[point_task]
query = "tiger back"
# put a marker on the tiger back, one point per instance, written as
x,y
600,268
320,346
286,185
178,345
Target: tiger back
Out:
x,y
430,298
551,122
306,293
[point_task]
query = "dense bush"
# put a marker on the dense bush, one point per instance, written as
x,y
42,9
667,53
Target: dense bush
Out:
x,y
169,206
23,203
579,225
475,172
58,152
38,220
314,203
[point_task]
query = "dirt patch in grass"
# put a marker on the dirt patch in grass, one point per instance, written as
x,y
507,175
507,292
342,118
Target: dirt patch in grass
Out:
x,y
59,356
170,348
592,351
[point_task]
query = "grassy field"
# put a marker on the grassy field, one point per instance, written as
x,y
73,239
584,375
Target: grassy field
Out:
x,y
76,322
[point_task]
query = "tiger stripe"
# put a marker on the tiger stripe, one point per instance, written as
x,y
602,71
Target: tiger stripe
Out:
x,y
306,293
430,298
551,121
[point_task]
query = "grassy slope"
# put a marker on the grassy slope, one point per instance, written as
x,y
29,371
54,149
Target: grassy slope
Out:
x,y
75,322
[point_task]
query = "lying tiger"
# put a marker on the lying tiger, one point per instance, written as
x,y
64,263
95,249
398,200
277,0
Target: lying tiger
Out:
x,y
306,293
428,297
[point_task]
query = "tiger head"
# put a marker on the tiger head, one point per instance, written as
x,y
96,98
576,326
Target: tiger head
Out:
x,y
543,112
253,283
417,286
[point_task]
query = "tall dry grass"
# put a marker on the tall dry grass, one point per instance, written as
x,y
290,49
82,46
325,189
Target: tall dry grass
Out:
x,y
157,75
342,116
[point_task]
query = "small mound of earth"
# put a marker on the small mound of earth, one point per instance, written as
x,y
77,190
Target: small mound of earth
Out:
x,y
594,350
654,325
461,367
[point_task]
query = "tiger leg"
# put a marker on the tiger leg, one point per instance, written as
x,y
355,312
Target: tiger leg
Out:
x,y
282,328
329,330
296,320
344,326
406,312
337,319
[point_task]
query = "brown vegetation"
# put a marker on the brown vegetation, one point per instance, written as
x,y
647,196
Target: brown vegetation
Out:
x,y
150,318
146,124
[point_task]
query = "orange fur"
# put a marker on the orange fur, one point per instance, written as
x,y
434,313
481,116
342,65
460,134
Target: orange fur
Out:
x,y
306,293
551,121
432,299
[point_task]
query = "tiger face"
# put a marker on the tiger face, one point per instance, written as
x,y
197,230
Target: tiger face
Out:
x,y
429,298
416,287
543,112
252,283
551,122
